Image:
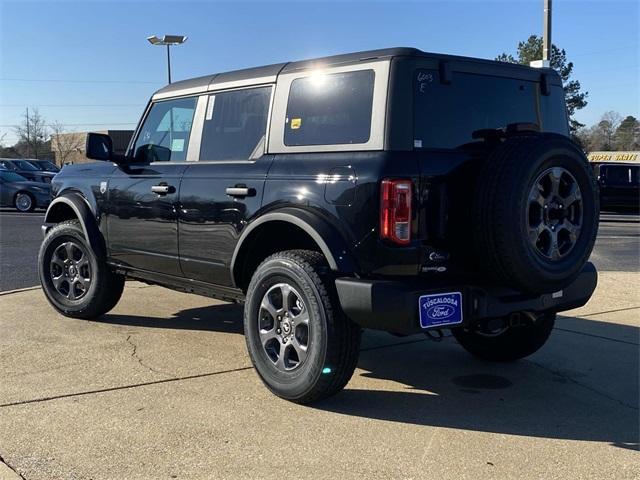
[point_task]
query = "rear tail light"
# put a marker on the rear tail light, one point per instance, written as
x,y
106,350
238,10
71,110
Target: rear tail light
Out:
x,y
395,211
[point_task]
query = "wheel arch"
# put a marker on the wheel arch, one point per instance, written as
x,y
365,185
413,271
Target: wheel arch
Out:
x,y
309,231
72,206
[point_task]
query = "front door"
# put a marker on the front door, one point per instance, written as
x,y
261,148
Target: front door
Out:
x,y
223,190
142,215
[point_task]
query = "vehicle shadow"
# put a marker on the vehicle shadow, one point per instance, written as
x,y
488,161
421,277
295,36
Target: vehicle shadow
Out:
x,y
223,318
571,389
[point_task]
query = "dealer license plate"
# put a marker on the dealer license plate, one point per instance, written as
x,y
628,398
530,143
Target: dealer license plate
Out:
x,y
440,309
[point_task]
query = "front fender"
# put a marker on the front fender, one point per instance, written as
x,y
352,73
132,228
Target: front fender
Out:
x,y
70,205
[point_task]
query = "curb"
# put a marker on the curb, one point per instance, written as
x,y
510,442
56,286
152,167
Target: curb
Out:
x,y
19,290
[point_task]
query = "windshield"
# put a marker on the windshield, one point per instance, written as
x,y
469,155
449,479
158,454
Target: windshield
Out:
x,y
12,176
44,165
24,165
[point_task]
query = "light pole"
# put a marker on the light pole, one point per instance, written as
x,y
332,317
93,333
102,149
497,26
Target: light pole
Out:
x,y
546,38
168,40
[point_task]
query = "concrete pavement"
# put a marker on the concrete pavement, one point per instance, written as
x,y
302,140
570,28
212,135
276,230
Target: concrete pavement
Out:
x,y
163,388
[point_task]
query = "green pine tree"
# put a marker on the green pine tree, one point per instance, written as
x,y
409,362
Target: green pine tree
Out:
x,y
531,50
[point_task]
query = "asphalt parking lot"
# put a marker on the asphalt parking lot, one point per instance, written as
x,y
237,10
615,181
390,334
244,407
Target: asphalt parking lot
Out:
x,y
162,387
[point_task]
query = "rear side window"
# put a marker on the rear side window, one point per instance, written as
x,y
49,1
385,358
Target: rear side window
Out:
x,y
330,109
235,124
164,136
446,115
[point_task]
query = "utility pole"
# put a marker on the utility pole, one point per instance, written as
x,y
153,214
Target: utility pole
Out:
x,y
546,34
28,136
546,39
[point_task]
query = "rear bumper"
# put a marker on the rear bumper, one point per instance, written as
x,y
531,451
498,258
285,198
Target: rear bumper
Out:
x,y
392,305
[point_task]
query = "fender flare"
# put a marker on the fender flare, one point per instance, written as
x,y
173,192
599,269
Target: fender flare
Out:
x,y
325,235
85,216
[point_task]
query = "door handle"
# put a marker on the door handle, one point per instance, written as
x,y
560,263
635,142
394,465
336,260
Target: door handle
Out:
x,y
240,191
162,189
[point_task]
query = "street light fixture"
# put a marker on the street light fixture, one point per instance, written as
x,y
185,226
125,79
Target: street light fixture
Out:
x,y
167,40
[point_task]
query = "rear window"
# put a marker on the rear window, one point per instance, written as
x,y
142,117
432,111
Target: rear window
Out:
x,y
330,109
446,115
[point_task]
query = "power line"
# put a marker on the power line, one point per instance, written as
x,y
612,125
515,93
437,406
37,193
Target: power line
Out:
x,y
627,47
608,69
59,80
16,105
78,124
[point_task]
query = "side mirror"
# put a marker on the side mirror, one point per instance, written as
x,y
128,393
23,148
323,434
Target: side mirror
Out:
x,y
99,147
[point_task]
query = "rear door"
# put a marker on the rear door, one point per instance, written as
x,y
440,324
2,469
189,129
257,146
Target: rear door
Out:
x,y
222,191
142,215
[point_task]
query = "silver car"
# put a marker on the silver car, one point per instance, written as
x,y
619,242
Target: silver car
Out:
x,y
16,191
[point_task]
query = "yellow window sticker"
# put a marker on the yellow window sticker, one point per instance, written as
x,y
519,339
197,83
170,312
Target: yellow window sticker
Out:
x,y
296,123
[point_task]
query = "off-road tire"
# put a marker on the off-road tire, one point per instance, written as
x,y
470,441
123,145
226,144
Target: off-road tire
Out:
x,y
500,217
334,340
514,343
105,287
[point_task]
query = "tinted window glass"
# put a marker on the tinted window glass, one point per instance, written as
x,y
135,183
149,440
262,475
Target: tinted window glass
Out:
x,y
12,177
7,165
554,112
446,115
165,133
24,165
330,109
621,175
235,124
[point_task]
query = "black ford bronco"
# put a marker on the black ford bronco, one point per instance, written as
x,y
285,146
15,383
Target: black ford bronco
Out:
x,y
392,189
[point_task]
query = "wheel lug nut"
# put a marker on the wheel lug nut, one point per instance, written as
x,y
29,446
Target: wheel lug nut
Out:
x,y
278,331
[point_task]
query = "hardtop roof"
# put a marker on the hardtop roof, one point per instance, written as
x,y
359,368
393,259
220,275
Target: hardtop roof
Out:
x,y
184,86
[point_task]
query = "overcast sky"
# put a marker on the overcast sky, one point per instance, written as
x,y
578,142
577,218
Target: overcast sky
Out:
x,y
87,64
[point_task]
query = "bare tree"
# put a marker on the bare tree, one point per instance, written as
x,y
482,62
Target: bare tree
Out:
x,y
32,133
607,127
64,143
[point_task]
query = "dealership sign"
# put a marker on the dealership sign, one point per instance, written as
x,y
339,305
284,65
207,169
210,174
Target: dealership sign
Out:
x,y
633,157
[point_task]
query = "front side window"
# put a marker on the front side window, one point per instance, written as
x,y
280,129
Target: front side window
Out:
x,y
164,136
235,125
331,109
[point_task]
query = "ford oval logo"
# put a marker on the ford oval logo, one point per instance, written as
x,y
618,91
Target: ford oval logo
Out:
x,y
440,312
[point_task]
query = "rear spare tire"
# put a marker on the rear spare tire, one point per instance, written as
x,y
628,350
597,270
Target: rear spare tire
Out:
x,y
535,213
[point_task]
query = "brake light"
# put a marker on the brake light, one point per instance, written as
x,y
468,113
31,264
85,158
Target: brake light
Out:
x,y
395,211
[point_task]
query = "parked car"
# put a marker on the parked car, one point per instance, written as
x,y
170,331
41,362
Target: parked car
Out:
x,y
392,189
27,170
44,165
619,185
22,194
